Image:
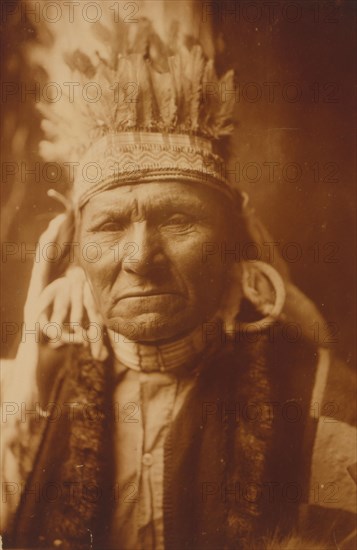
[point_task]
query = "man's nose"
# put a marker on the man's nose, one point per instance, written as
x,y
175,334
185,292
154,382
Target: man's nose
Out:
x,y
142,251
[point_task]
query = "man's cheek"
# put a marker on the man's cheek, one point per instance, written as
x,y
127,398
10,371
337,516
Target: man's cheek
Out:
x,y
213,278
100,276
211,266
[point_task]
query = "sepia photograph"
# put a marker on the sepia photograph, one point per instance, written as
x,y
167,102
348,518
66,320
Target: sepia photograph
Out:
x,y
178,275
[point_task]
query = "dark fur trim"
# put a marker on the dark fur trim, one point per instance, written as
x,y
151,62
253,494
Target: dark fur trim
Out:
x,y
73,521
247,460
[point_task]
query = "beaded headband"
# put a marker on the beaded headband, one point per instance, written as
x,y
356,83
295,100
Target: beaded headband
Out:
x,y
143,157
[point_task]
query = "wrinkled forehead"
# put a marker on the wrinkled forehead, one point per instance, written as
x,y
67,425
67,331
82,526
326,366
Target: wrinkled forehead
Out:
x,y
148,197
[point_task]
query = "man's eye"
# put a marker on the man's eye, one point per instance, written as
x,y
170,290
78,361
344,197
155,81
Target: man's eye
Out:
x,y
178,220
111,226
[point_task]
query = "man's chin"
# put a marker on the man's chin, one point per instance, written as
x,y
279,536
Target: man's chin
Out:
x,y
150,327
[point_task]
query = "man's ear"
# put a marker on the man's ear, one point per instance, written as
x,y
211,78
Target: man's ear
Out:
x,y
266,249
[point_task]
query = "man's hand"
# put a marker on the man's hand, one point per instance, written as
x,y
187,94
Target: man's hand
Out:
x,y
65,307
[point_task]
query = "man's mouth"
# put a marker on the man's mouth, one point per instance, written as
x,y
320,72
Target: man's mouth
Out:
x,y
146,293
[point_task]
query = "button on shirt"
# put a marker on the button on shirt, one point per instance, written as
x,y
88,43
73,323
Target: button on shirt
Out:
x,y
145,404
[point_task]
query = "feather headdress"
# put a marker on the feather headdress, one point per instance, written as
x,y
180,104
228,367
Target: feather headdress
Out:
x,y
134,107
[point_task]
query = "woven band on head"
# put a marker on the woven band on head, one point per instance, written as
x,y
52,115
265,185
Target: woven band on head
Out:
x,y
129,158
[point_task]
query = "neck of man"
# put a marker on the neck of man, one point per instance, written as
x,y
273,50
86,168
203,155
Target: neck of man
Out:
x,y
162,357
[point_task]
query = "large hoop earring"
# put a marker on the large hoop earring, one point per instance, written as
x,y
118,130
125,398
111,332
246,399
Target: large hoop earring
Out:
x,y
271,311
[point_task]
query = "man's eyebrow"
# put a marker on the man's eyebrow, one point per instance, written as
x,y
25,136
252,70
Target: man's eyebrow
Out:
x,y
108,214
112,211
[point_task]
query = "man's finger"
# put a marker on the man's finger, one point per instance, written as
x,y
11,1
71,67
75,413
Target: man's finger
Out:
x,y
77,282
61,304
40,271
90,305
97,346
47,296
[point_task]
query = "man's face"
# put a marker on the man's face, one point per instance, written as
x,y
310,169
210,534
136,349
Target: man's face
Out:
x,y
152,279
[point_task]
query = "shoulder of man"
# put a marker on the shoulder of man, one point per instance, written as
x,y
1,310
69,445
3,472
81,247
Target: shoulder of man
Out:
x,y
314,395
332,435
325,386
28,386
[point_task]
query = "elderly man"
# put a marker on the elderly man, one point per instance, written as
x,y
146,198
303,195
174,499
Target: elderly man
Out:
x,y
191,419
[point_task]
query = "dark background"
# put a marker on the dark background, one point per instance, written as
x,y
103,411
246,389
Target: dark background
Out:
x,y
309,44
